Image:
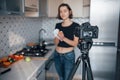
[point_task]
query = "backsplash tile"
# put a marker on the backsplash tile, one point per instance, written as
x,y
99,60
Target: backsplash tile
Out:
x,y
49,24
16,31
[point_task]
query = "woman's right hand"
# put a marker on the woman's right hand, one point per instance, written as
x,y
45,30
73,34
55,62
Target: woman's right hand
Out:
x,y
61,35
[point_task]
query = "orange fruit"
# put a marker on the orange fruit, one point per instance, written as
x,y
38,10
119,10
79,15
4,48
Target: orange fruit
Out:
x,y
4,59
6,64
16,57
21,56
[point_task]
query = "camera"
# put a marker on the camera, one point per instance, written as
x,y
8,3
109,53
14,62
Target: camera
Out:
x,y
86,34
87,31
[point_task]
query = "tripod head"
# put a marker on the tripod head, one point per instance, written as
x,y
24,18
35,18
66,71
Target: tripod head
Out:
x,y
85,45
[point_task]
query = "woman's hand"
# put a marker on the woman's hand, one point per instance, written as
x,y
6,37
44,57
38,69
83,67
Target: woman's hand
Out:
x,y
61,35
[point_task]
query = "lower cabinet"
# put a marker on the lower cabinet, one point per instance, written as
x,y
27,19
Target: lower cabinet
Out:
x,y
40,74
50,72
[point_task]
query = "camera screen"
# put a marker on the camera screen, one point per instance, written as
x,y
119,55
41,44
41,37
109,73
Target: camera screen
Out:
x,y
87,34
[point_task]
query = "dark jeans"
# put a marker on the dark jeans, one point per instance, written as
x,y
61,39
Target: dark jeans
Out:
x,y
64,63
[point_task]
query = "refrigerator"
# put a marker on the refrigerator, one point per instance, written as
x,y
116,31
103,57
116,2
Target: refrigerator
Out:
x,y
118,54
104,14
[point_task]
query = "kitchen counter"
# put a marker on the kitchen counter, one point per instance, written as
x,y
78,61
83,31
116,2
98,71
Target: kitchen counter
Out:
x,y
23,70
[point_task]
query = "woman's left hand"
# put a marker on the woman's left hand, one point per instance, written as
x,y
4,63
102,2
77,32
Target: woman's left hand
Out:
x,y
61,35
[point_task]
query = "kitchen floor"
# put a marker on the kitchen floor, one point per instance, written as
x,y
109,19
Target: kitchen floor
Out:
x,y
51,76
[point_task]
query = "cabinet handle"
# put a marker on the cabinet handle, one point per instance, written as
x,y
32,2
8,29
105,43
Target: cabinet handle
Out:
x,y
38,74
48,65
34,79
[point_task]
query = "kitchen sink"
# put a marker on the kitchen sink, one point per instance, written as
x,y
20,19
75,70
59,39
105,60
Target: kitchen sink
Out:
x,y
49,42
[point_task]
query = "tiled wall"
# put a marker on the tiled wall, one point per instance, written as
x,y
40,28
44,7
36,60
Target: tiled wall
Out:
x,y
16,31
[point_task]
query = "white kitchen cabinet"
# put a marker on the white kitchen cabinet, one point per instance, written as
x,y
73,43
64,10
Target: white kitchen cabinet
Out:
x,y
77,7
49,8
41,73
32,8
86,8
52,6
42,7
35,8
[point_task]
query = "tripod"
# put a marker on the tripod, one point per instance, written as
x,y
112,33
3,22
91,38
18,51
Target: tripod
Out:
x,y
84,46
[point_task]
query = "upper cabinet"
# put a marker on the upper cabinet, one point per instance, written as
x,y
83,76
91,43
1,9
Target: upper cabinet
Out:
x,y
35,8
43,8
47,8
53,7
80,8
14,7
32,8
27,8
77,7
86,8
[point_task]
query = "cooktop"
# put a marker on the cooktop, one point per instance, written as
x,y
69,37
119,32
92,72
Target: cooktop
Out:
x,y
35,52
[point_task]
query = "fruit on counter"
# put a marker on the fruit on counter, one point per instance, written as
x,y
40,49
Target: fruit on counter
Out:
x,y
7,61
21,56
16,57
0,61
6,64
27,59
4,59
30,44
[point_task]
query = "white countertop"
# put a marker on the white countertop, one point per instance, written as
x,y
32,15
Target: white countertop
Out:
x,y
23,70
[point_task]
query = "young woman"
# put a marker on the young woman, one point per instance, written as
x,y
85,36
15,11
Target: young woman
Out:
x,y
65,41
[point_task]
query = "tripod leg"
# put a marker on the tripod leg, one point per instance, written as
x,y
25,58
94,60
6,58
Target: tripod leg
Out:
x,y
84,70
74,69
89,71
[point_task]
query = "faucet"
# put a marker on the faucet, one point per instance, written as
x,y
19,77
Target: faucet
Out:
x,y
41,34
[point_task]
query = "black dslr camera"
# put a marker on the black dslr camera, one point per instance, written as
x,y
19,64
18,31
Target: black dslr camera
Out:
x,y
86,34
87,31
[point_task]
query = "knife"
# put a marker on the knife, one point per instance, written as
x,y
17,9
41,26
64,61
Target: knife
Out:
x,y
5,71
